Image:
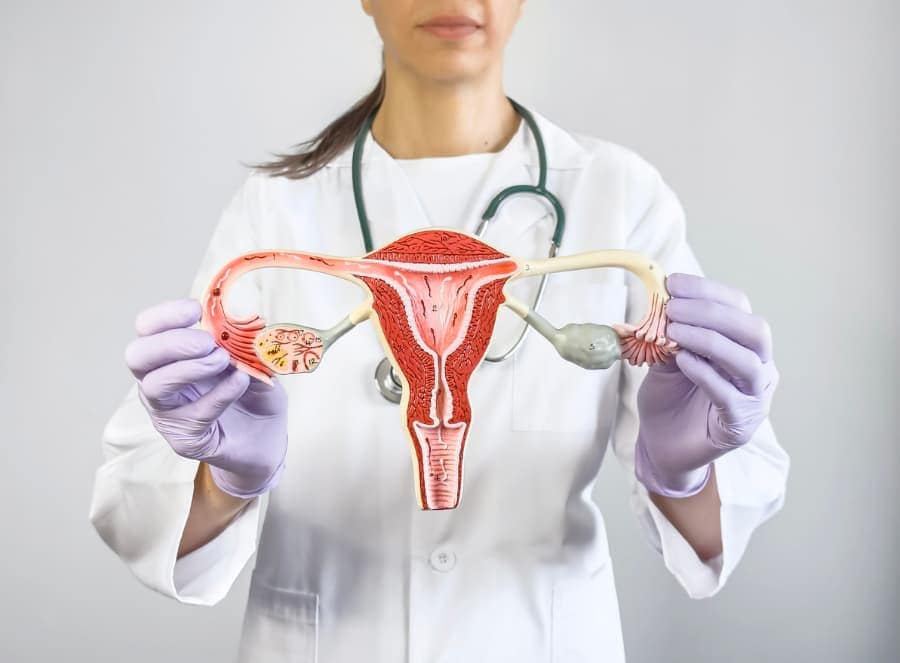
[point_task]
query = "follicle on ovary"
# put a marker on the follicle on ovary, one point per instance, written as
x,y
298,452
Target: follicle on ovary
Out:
x,y
434,296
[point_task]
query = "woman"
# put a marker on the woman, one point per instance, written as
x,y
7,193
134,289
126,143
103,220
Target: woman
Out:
x,y
348,567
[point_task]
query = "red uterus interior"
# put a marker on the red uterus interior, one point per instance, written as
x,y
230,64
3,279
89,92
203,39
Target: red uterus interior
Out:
x,y
436,295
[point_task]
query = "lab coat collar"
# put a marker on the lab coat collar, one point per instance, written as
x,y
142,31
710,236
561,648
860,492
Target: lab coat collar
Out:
x,y
563,150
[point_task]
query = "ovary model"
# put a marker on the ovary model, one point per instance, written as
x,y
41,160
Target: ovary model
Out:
x,y
433,296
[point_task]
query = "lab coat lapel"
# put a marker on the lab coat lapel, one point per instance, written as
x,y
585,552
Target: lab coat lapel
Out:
x,y
394,209
511,223
522,226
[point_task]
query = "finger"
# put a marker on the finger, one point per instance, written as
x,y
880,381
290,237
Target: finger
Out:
x,y
210,406
163,386
699,371
147,353
768,379
747,329
740,364
774,377
167,315
691,286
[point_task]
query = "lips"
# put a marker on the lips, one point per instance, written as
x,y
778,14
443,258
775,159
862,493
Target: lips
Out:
x,y
451,22
451,27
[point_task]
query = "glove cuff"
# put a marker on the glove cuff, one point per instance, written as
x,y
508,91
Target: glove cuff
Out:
x,y
240,486
680,485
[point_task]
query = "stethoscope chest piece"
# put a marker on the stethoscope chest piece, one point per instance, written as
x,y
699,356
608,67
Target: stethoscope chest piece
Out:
x,y
386,380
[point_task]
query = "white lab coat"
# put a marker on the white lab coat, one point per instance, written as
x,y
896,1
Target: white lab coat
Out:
x,y
348,567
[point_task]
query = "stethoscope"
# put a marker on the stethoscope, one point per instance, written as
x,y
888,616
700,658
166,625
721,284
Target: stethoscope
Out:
x,y
385,378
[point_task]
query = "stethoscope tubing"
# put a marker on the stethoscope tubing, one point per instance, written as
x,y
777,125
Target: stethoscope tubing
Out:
x,y
388,384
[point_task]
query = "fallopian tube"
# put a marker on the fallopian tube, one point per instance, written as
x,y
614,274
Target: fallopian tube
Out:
x,y
433,296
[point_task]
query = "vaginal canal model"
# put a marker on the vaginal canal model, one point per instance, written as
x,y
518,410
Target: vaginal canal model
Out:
x,y
433,296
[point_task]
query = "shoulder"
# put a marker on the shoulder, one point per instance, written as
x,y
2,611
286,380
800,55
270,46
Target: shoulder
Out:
x,y
647,203
618,166
616,174
607,153
641,180
267,192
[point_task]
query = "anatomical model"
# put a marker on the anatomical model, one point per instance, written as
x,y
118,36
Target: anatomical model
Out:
x,y
433,296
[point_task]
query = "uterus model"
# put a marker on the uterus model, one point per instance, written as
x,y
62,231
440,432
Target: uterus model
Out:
x,y
433,296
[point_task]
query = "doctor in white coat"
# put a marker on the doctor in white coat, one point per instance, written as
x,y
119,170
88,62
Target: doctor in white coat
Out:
x,y
348,567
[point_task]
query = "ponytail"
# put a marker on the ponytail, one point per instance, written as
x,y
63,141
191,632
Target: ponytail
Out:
x,y
331,141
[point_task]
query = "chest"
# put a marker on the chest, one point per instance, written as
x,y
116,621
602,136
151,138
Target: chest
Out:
x,y
518,405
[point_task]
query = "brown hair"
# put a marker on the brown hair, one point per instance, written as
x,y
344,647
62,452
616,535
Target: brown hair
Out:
x,y
314,153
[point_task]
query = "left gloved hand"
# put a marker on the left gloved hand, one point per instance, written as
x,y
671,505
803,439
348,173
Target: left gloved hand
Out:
x,y
712,395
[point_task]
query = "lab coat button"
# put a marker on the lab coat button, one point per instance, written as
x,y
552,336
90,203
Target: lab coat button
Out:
x,y
442,560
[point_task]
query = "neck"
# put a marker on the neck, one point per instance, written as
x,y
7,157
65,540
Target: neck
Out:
x,y
427,118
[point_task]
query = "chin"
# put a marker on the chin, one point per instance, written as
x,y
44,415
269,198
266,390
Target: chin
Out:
x,y
449,67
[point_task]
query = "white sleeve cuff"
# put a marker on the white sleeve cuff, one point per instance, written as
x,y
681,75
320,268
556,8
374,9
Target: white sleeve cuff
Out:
x,y
141,500
204,576
751,483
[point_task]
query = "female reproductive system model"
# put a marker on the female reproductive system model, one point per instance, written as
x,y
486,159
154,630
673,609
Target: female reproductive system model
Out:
x,y
433,296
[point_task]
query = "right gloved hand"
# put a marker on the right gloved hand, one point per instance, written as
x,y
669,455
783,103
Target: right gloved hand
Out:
x,y
206,409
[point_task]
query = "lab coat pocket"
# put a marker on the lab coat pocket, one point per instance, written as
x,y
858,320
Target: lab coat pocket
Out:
x,y
280,625
550,393
586,624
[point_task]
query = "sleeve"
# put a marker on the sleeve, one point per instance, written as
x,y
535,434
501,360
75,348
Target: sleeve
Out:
x,y
143,490
752,479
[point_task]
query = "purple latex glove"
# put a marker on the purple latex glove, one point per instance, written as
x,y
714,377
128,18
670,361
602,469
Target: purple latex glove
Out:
x,y
712,396
206,409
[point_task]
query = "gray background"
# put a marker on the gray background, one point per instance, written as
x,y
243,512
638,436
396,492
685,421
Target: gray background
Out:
x,y
121,128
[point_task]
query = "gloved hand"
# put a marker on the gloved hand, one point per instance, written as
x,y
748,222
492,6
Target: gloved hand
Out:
x,y
205,408
712,395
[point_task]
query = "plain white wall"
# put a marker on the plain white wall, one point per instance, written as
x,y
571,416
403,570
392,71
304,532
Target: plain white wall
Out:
x,y
121,129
